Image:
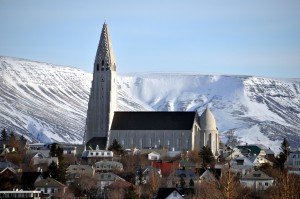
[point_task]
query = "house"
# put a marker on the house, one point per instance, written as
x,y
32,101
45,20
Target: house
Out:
x,y
257,180
143,174
168,193
105,166
153,156
165,167
241,165
40,158
293,162
69,149
207,176
233,153
9,173
93,156
76,171
105,179
39,148
50,187
186,164
260,159
178,175
21,194
5,164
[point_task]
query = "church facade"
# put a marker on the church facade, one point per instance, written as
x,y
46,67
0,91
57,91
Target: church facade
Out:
x,y
171,130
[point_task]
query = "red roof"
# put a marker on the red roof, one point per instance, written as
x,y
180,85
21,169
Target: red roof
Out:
x,y
166,167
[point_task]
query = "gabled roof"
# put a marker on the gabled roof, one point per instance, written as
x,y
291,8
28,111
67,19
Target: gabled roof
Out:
x,y
153,120
165,192
28,178
4,164
256,175
185,173
49,182
9,169
208,176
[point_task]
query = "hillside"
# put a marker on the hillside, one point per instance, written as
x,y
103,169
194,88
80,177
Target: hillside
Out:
x,y
48,102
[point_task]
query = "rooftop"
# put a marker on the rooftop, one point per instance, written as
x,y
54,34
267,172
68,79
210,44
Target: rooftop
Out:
x,y
153,120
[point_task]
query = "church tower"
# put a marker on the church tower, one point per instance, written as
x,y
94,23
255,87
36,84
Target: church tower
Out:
x,y
209,132
103,95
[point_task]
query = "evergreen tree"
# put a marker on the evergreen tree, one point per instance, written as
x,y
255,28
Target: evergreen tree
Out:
x,y
53,170
284,153
56,151
207,157
4,135
116,147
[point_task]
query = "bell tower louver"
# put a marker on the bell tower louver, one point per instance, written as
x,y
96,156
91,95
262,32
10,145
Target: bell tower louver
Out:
x,y
103,95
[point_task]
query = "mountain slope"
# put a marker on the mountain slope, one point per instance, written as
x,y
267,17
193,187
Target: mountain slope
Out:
x,y
47,102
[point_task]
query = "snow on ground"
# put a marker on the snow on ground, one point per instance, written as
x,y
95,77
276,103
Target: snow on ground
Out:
x,y
48,102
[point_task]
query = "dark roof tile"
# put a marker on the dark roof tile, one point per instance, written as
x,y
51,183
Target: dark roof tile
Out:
x,y
153,120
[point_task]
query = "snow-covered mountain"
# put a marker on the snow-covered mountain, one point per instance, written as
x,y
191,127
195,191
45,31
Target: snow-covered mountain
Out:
x,y
48,102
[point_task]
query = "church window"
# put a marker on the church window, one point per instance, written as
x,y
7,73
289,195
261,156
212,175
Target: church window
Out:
x,y
97,67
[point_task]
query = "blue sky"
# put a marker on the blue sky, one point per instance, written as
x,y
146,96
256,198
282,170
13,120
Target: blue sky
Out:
x,y
208,37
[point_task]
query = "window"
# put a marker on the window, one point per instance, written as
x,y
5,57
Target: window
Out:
x,y
46,190
266,184
52,190
97,153
97,67
102,63
108,153
102,153
92,153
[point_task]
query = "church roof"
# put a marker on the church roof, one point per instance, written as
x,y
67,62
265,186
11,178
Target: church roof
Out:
x,y
153,120
207,120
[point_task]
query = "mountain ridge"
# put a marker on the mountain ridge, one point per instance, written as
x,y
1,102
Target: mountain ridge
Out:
x,y
47,102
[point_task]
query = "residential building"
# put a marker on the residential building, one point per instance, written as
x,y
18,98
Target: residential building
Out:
x,y
257,180
105,166
50,187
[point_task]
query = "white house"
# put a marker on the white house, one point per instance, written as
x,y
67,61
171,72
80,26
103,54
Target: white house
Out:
x,y
257,180
96,155
153,156
241,165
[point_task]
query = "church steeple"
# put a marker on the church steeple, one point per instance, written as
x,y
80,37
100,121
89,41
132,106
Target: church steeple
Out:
x,y
103,96
105,58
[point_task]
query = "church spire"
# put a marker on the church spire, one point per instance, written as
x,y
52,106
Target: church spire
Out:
x,y
105,58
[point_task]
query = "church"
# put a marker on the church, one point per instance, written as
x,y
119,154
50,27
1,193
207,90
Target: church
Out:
x,y
144,130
